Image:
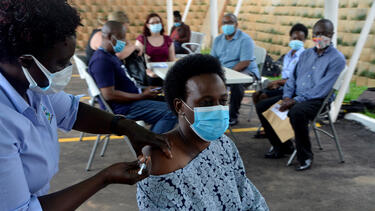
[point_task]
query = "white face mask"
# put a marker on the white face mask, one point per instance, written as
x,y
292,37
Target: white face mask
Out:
x,y
57,81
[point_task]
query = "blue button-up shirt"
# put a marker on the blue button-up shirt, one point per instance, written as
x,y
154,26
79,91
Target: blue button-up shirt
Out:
x,y
289,63
231,52
314,75
29,148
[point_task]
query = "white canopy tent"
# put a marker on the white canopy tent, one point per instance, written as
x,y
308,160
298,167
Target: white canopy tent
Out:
x,y
331,8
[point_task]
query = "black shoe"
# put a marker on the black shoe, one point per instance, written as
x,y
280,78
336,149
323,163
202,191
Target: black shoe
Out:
x,y
274,154
233,122
306,165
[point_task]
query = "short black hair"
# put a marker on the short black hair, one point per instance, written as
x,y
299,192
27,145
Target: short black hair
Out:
x,y
328,25
186,68
176,14
32,26
299,27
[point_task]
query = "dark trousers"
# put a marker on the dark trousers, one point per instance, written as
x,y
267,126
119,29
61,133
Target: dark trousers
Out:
x,y
179,49
236,96
299,115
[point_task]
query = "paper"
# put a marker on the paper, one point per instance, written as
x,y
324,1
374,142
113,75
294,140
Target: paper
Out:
x,y
159,65
279,122
282,114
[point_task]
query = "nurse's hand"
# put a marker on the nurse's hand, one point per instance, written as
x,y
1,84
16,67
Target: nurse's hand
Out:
x,y
126,172
140,137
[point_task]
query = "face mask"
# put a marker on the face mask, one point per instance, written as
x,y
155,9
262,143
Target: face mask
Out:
x,y
296,44
228,29
57,81
120,45
156,28
321,41
177,24
210,123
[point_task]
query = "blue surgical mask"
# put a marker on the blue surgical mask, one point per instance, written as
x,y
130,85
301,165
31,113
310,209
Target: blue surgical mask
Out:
x,y
228,29
210,123
296,44
177,24
156,28
120,45
57,81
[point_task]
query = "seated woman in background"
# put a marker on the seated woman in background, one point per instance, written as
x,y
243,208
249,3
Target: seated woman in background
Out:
x,y
157,46
206,171
180,33
95,39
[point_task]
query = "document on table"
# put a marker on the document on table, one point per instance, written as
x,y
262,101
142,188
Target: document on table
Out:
x,y
159,65
281,114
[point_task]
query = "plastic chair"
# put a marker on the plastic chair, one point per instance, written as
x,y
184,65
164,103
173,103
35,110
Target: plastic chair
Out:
x,y
260,58
195,43
324,113
95,95
81,66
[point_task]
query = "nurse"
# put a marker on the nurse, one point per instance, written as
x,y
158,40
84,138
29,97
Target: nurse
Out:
x,y
37,40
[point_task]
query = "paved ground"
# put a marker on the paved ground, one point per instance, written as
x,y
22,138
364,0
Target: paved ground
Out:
x,y
329,185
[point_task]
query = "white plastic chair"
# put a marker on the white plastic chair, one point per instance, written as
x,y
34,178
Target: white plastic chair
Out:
x,y
95,95
324,113
195,43
260,58
81,66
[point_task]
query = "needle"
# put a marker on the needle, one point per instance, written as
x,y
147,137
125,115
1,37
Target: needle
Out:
x,y
143,166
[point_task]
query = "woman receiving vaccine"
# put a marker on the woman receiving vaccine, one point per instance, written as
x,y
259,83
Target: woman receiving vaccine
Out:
x,y
206,171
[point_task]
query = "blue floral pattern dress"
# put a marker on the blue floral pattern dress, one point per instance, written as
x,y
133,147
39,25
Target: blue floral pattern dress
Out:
x,y
214,180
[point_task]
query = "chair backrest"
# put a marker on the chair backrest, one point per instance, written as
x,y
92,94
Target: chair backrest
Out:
x,y
260,57
94,91
81,66
195,43
340,79
197,37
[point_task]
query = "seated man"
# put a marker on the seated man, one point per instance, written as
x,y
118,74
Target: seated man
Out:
x,y
314,76
235,50
206,171
119,91
298,35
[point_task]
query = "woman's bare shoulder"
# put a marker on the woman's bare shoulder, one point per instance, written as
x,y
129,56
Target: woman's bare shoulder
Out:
x,y
161,164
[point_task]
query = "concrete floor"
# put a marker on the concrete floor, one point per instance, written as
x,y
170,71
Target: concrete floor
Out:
x,y
329,185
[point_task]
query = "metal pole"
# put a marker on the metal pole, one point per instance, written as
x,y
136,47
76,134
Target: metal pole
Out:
x,y
186,12
331,9
214,19
238,8
169,15
353,62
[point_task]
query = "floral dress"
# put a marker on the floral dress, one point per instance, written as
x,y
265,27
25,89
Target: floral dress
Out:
x,y
214,180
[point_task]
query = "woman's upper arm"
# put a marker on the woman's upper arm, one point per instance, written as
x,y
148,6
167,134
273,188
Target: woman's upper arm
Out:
x,y
172,56
139,45
14,191
96,40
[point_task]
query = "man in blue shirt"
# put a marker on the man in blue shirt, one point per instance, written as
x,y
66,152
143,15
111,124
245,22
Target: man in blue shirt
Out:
x,y
119,90
235,50
314,76
298,35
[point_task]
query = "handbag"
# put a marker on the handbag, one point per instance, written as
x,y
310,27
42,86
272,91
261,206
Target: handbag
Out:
x,y
136,67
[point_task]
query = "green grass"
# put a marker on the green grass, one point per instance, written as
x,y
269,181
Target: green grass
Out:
x,y
205,51
370,114
273,78
354,92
